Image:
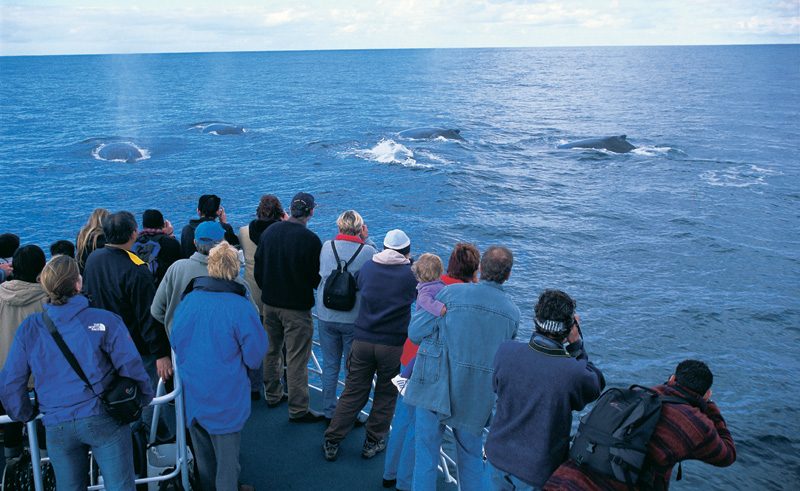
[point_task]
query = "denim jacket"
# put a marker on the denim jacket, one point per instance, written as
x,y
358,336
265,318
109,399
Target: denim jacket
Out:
x,y
453,372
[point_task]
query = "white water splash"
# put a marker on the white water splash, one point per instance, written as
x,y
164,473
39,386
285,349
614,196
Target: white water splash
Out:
x,y
96,152
390,152
738,176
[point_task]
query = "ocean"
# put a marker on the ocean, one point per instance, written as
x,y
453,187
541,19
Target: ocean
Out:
x,y
686,247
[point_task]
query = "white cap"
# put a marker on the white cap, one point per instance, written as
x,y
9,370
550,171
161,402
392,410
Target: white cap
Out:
x,y
396,239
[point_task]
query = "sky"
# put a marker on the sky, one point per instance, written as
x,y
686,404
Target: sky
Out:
x,y
152,26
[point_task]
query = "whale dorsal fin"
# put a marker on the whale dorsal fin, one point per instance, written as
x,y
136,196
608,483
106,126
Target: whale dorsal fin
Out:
x,y
623,136
458,132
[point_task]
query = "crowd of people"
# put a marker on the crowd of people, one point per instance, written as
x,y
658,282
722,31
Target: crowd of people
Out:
x,y
438,340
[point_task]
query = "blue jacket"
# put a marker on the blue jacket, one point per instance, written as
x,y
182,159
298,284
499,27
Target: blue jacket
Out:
x,y
100,342
217,336
538,385
453,372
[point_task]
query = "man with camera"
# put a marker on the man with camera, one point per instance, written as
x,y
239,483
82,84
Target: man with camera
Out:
x,y
538,385
209,208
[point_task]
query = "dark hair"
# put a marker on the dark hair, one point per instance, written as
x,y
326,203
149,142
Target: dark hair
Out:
x,y
208,204
557,306
404,251
152,219
299,210
464,261
118,227
62,247
28,261
692,374
496,264
269,208
9,243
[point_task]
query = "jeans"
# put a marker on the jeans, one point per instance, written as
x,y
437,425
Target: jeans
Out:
x,y
365,361
294,329
68,445
428,441
503,481
335,339
217,458
400,450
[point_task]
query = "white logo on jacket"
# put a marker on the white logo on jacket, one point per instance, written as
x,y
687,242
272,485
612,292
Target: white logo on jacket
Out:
x,y
97,327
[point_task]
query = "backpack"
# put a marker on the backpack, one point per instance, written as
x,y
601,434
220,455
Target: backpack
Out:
x,y
339,292
148,252
612,438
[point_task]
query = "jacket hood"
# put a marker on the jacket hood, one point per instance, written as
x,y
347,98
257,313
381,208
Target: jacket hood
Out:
x,y
390,257
68,311
20,293
257,227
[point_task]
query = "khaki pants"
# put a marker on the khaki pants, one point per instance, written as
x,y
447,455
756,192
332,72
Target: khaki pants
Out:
x,y
295,329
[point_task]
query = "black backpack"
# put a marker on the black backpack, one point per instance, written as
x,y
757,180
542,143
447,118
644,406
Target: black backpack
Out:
x,y
339,292
148,250
612,438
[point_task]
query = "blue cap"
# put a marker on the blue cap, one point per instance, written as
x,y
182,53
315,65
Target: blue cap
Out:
x,y
209,232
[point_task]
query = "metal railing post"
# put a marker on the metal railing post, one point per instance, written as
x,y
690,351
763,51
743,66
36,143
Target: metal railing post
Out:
x,y
36,458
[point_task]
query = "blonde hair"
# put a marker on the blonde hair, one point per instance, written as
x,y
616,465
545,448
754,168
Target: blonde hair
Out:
x,y
428,267
350,223
223,262
58,279
90,232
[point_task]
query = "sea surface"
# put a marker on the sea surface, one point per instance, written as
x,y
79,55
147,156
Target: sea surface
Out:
x,y
687,247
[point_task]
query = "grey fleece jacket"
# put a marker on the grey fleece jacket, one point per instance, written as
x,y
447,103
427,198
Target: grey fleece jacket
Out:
x,y
177,277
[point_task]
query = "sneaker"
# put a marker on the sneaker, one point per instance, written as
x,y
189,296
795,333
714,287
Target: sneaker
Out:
x,y
308,417
372,448
331,450
283,399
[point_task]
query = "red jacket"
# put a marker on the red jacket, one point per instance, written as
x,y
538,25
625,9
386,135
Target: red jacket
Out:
x,y
684,432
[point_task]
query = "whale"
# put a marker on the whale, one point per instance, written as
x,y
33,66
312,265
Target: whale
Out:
x,y
219,128
616,144
431,133
119,152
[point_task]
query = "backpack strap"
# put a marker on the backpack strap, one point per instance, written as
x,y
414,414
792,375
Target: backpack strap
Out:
x,y
360,246
339,261
66,351
336,255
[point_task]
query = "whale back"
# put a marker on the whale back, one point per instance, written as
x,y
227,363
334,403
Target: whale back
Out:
x,y
616,144
119,151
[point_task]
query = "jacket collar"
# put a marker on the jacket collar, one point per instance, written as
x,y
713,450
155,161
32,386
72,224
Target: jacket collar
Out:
x,y
215,285
390,257
64,313
201,258
493,284
350,238
449,280
547,346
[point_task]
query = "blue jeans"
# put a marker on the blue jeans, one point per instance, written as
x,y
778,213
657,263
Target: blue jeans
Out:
x,y
335,339
400,450
68,445
428,440
503,481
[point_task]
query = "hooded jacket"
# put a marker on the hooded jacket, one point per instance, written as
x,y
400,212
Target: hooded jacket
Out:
x,y
18,300
101,344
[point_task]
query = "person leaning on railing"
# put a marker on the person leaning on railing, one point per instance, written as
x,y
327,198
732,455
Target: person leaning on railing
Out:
x,y
72,414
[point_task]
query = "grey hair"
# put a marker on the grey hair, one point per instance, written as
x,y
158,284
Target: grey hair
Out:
x,y
205,247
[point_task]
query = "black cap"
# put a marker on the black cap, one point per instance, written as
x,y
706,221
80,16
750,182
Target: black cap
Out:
x,y
303,202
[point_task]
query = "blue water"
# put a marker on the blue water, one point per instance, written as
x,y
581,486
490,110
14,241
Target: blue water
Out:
x,y
687,247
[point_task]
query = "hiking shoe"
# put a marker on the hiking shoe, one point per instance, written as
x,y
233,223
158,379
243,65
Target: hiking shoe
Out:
x,y
308,417
372,448
283,399
331,450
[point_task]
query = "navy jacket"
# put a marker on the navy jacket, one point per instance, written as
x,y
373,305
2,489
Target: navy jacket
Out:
x,y
538,385
187,235
100,343
387,292
117,280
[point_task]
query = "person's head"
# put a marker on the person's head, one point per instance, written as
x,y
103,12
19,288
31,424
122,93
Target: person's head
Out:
x,y
28,263
691,374
207,236
95,221
9,243
60,279
223,262
464,262
554,314
428,268
496,264
62,247
397,240
120,228
350,223
208,205
152,219
303,205
269,208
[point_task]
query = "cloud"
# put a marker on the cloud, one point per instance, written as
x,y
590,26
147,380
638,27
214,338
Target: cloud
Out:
x,y
781,26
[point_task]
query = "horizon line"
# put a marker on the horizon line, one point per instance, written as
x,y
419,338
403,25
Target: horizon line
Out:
x,y
289,50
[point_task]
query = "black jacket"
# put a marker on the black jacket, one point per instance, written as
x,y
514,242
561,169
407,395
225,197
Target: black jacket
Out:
x,y
187,235
287,265
118,281
169,253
